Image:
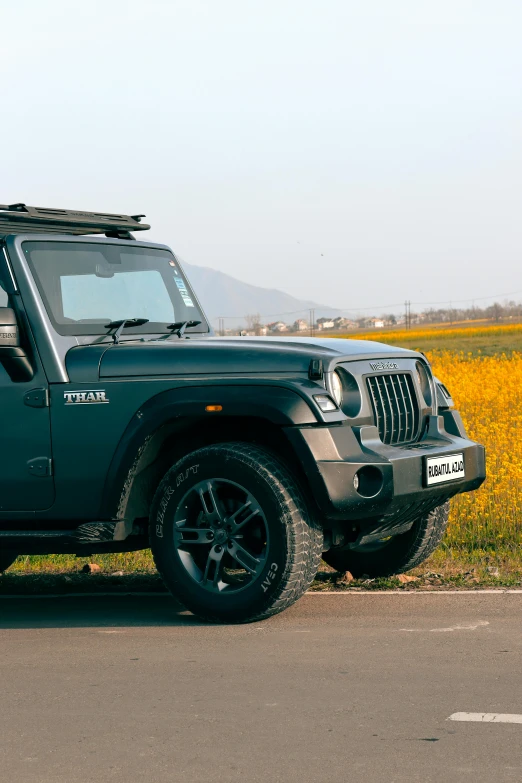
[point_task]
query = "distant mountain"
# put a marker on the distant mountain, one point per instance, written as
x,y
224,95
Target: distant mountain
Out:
x,y
223,295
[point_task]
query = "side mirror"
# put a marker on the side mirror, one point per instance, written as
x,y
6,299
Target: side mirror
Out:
x,y
9,332
13,358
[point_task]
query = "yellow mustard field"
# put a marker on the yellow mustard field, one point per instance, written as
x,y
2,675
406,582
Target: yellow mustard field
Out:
x,y
441,333
488,393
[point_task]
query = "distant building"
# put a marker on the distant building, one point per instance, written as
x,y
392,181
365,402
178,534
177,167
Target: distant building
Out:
x,y
300,325
325,323
277,326
371,323
344,323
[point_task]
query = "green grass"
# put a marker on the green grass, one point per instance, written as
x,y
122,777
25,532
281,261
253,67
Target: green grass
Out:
x,y
446,568
476,345
439,340
139,562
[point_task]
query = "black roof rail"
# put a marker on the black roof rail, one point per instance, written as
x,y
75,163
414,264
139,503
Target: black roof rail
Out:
x,y
20,218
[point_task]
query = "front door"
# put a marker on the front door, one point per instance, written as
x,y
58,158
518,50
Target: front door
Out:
x,y
26,480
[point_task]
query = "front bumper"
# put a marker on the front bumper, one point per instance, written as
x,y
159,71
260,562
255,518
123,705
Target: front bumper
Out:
x,y
331,456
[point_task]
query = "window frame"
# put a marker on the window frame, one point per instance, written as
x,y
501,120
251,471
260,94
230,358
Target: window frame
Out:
x,y
92,328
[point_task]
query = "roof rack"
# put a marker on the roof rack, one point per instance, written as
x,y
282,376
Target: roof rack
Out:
x,y
19,218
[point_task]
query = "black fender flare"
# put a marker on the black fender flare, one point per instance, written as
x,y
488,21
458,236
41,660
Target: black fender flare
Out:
x,y
279,405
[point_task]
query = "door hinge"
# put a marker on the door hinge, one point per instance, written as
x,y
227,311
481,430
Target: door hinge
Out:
x,y
316,370
37,398
40,466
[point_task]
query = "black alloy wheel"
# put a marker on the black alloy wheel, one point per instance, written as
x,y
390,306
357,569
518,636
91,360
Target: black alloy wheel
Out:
x,y
221,535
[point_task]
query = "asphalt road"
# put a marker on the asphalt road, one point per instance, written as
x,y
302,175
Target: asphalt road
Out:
x,y
338,689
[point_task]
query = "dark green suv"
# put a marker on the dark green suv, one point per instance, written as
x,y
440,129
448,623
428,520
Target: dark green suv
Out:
x,y
240,461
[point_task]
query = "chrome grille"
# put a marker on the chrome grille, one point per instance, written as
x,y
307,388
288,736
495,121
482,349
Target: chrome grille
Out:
x,y
395,407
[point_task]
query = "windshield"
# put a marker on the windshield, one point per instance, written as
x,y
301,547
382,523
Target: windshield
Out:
x,y
85,286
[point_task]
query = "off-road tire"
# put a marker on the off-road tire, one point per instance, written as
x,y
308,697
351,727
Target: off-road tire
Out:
x,y
293,544
401,553
6,559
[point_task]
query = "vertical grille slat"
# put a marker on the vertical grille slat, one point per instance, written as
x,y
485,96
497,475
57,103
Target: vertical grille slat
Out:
x,y
383,408
401,421
388,382
407,397
395,407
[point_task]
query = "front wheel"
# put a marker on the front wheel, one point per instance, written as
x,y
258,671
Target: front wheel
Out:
x,y
7,559
394,555
232,535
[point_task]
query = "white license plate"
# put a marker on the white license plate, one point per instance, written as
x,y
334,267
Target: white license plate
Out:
x,y
441,469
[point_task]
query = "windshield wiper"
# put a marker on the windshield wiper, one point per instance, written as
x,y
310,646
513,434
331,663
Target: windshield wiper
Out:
x,y
180,326
176,328
121,325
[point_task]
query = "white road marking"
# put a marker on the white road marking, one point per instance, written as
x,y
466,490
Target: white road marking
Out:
x,y
469,627
486,717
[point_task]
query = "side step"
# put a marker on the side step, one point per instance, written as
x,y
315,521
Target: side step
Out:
x,y
118,535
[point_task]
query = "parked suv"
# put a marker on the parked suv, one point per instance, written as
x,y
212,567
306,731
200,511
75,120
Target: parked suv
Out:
x,y
128,423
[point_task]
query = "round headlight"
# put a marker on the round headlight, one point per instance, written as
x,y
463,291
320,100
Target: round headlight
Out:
x,y
337,389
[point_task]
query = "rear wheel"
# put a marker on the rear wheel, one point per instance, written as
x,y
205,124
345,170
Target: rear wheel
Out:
x,y
394,555
7,559
232,535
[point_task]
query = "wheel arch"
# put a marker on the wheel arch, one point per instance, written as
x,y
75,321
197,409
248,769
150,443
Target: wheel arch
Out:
x,y
175,423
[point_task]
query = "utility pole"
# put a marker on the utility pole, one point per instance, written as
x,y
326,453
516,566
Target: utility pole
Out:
x,y
407,314
312,319
221,326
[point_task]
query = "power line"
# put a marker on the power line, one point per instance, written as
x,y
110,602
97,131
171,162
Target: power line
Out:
x,y
380,308
471,299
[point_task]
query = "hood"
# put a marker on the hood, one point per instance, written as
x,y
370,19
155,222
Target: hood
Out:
x,y
219,356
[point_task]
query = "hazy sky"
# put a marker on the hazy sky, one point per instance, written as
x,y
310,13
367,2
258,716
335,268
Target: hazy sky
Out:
x,y
353,152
